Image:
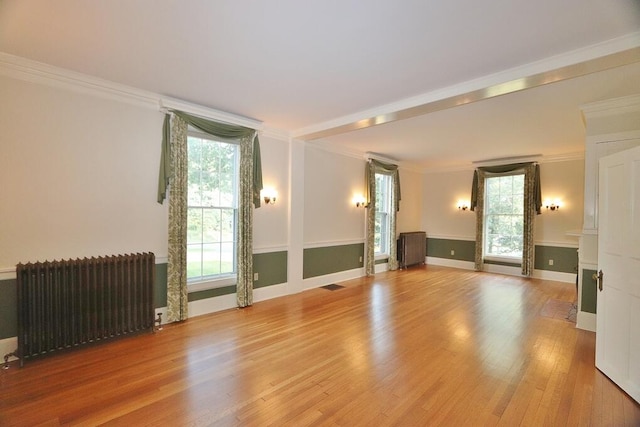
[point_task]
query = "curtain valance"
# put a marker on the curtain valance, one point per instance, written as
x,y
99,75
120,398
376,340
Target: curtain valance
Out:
x,y
376,166
221,130
537,194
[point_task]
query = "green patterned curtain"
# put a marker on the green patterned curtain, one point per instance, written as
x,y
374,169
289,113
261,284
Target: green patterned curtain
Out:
x,y
177,301
532,206
370,174
374,166
250,186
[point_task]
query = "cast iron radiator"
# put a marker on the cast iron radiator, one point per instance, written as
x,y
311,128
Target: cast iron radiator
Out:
x,y
412,248
67,304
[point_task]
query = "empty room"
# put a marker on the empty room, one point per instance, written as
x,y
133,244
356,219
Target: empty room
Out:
x,y
254,213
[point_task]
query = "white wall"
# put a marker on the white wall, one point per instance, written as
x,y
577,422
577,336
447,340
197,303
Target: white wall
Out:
x,y
440,214
331,182
78,175
410,216
563,180
270,221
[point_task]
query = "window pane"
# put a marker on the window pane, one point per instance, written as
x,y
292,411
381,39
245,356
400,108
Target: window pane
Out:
x,y
211,225
194,225
212,185
504,215
210,259
194,260
227,257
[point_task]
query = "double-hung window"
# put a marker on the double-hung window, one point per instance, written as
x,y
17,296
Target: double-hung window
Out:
x,y
383,208
212,211
504,216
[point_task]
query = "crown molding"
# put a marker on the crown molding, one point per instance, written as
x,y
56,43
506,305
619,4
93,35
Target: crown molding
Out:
x,y
608,54
611,107
566,157
37,72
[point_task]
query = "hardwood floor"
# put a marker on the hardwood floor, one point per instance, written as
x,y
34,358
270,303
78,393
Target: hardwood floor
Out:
x,y
426,346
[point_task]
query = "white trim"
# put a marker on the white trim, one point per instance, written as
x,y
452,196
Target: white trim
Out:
x,y
569,245
327,279
449,237
588,266
28,70
556,158
556,276
328,244
381,268
8,273
270,249
333,148
613,137
369,155
8,345
167,103
608,107
586,321
367,117
455,263
37,72
211,305
270,292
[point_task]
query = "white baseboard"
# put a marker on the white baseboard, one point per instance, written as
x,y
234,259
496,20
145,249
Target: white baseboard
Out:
x,y
555,275
381,268
586,321
270,292
455,263
8,345
503,269
327,279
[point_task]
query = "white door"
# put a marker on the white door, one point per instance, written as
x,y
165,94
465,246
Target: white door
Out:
x,y
618,311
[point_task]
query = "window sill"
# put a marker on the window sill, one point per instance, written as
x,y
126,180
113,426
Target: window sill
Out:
x,y
219,282
378,257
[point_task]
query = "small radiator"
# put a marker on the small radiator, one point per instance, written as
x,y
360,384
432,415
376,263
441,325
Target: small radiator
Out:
x,y
412,248
67,304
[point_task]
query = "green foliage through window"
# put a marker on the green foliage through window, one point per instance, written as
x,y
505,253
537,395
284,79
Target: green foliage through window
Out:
x,y
212,208
383,205
504,215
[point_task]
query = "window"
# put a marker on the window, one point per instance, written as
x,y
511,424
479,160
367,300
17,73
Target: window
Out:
x,y
504,216
212,209
383,207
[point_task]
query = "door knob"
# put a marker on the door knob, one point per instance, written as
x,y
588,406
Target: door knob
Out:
x,y
598,277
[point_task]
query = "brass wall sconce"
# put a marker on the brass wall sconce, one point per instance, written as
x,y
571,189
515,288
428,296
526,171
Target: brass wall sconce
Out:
x,y
359,201
269,195
462,205
552,205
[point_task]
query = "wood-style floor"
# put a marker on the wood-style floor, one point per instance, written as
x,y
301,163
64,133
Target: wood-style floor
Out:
x,y
427,346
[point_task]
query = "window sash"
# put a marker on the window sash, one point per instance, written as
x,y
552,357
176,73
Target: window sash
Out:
x,y
504,219
212,253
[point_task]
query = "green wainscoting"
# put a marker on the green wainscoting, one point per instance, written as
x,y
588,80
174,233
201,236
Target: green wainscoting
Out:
x,y
8,309
211,293
565,260
331,259
464,250
589,291
272,269
160,287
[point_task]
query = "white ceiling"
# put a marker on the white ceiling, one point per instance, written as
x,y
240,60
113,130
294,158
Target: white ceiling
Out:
x,y
322,67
